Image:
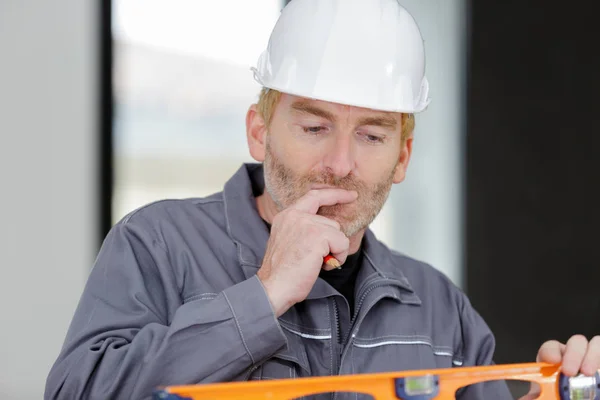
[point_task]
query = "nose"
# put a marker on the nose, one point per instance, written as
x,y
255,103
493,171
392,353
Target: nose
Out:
x,y
340,157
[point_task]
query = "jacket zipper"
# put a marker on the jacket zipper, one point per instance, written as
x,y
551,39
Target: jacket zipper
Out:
x,y
250,371
359,305
336,313
337,339
353,327
336,342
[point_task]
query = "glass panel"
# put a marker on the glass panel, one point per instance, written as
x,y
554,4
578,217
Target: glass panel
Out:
x,y
182,86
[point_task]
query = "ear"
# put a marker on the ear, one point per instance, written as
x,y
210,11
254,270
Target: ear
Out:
x,y
403,160
256,133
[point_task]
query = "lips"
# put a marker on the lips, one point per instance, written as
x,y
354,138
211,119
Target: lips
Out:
x,y
321,186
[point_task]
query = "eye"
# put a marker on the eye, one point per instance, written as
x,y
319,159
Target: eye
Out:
x,y
313,129
373,138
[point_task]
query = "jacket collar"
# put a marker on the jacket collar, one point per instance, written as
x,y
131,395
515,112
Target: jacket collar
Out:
x,y
244,224
250,233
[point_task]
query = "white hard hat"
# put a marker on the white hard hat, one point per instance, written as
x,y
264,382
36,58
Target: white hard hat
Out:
x,y
365,53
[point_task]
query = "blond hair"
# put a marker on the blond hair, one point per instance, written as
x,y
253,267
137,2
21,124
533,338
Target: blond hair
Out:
x,y
268,99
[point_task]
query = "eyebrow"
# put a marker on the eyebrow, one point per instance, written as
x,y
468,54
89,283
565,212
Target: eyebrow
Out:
x,y
306,108
383,121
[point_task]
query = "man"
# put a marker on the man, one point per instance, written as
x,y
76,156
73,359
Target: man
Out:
x,y
233,287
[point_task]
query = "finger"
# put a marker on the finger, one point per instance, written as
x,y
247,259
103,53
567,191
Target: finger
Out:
x,y
309,218
591,362
338,244
314,199
319,219
551,352
574,354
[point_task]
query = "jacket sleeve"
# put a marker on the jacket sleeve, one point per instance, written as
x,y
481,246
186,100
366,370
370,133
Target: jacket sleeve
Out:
x,y
131,333
477,348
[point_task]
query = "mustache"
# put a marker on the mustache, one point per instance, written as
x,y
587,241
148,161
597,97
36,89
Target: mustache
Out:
x,y
348,182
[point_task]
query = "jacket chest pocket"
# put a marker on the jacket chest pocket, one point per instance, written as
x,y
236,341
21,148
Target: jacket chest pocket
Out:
x,y
406,339
399,353
285,364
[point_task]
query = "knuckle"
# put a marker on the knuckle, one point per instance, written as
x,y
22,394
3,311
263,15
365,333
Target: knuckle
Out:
x,y
312,230
291,213
278,220
346,240
324,247
288,214
340,243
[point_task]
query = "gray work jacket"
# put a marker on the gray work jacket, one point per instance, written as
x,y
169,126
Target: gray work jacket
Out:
x,y
173,298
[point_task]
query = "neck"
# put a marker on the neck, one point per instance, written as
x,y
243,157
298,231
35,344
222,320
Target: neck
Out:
x,y
267,209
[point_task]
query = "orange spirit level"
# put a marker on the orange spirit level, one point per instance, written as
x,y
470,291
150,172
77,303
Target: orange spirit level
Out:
x,y
438,384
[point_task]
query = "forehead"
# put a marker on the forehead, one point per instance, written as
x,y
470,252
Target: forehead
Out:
x,y
290,102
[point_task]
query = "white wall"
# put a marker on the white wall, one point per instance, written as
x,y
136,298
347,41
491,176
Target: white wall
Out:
x,y
427,208
47,126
